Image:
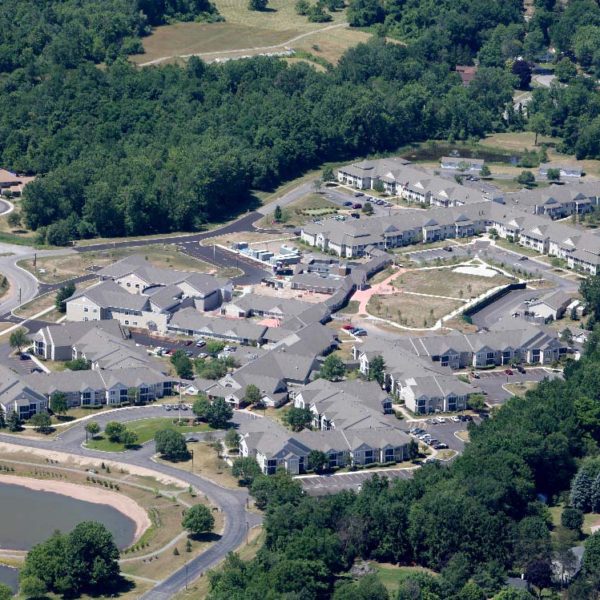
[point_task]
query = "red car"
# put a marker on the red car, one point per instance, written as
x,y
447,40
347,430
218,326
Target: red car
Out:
x,y
508,371
357,205
348,327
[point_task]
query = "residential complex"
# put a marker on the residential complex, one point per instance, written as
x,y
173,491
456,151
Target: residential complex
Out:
x,y
526,218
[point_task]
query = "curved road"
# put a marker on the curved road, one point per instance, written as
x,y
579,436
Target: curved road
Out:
x,y
231,501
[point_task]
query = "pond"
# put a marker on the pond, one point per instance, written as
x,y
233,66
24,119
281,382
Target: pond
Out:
x,y
9,577
30,517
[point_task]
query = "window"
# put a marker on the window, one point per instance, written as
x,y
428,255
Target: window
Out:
x,y
85,309
126,322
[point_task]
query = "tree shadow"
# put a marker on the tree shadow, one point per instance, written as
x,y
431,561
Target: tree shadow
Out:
x,y
209,536
119,586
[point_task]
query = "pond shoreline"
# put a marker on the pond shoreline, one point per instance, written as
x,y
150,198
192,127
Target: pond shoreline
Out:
x,y
120,502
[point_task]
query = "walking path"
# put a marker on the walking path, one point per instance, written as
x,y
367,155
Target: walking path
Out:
x,y
257,49
363,296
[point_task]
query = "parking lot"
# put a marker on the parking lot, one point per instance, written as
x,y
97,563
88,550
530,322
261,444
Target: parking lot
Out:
x,y
443,432
320,485
491,382
424,256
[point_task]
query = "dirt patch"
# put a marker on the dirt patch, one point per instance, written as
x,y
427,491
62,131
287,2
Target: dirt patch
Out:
x,y
411,311
54,269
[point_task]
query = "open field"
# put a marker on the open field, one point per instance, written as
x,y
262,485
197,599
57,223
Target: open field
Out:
x,y
519,141
446,282
252,238
54,269
146,429
409,310
245,32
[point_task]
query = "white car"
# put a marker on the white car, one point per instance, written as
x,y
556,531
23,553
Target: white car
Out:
x,y
455,419
441,420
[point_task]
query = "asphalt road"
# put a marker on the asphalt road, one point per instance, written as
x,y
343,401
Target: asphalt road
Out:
x,y
231,501
330,484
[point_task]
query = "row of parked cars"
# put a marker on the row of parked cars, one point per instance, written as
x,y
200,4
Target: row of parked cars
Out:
x,y
371,199
359,331
178,406
428,439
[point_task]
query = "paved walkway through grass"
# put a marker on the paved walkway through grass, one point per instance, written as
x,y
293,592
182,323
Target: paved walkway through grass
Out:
x,y
385,287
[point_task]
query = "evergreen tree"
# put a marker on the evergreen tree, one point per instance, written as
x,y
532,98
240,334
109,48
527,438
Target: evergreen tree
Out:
x,y
2,418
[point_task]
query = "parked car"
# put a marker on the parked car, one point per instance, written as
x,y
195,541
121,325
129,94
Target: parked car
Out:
x,y
24,356
440,446
455,419
203,355
359,332
348,203
441,420
524,258
508,371
448,249
348,327
358,194
357,205
466,418
189,342
189,353
355,215
521,369
200,343
475,375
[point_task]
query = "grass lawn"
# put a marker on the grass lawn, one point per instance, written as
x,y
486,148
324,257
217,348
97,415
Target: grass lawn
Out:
x,y
519,389
409,310
200,588
446,282
54,269
45,302
463,435
37,305
351,308
302,211
392,575
145,430
207,464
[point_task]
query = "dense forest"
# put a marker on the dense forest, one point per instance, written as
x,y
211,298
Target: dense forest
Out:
x,y
475,522
123,150
495,34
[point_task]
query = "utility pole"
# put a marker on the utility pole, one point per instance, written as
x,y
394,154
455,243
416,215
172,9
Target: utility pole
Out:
x,y
20,293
